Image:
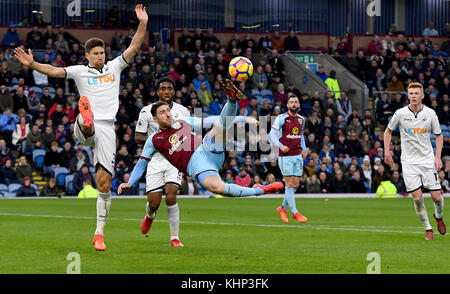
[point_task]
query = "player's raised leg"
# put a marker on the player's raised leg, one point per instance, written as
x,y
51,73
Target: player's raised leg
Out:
x,y
228,113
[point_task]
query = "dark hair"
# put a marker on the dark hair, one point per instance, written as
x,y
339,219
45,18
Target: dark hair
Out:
x,y
93,42
165,79
155,107
292,96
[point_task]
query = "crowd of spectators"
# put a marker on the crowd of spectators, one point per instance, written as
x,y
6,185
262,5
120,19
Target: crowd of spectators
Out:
x,y
346,151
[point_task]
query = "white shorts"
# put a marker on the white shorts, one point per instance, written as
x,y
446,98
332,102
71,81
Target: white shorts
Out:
x,y
159,173
416,176
103,143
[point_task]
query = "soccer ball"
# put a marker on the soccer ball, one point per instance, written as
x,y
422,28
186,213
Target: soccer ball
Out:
x,y
240,68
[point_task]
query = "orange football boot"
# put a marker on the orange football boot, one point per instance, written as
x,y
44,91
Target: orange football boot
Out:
x,y
84,106
429,235
146,224
283,214
440,225
231,90
176,243
272,188
300,218
98,243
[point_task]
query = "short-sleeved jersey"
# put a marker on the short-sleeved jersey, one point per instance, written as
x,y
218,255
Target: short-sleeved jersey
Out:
x,y
146,123
290,130
415,133
101,87
177,144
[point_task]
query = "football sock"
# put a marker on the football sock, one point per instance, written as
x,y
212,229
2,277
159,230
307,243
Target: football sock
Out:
x,y
234,190
227,115
103,206
421,211
290,199
173,213
285,204
150,213
439,207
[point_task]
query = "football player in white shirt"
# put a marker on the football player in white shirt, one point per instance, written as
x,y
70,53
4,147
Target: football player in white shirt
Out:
x,y
98,85
161,174
419,165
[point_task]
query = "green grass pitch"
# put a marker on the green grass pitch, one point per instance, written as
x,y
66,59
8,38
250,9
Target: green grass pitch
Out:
x,y
221,236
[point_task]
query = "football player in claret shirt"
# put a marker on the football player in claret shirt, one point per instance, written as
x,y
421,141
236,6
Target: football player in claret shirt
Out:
x,y
287,134
420,165
200,159
98,84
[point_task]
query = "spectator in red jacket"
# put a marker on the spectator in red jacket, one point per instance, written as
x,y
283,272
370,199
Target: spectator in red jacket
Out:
x,y
374,46
243,179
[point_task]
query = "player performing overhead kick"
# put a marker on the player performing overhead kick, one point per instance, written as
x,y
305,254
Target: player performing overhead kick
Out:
x,y
420,167
160,172
188,154
98,84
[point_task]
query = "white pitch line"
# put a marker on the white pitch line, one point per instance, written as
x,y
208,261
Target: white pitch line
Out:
x,y
300,226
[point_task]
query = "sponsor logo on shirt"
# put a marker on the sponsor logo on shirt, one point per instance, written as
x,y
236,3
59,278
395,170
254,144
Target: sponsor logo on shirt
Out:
x,y
295,130
290,136
102,80
176,144
416,131
173,139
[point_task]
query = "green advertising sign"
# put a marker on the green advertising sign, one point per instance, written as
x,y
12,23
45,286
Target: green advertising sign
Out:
x,y
305,58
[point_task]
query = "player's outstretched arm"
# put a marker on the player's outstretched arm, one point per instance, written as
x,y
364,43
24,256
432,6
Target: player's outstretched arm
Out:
x,y
136,174
138,38
46,69
141,165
